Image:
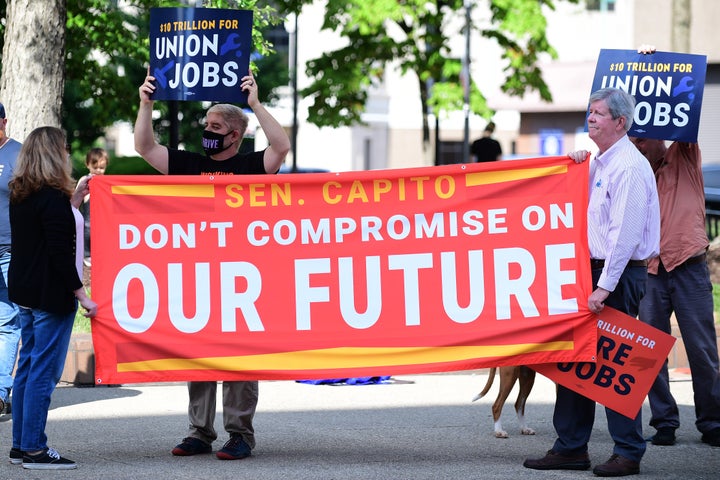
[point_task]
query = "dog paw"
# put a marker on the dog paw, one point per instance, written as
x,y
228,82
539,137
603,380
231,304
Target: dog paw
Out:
x,y
527,431
502,434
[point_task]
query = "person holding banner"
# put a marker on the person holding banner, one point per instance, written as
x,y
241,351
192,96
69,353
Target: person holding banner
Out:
x,y
96,161
679,282
623,232
224,131
44,279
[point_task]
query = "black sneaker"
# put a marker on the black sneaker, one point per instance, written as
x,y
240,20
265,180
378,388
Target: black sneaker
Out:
x,y
191,446
712,437
16,456
664,436
49,459
234,449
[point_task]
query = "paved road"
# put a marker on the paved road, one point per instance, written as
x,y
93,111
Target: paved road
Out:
x,y
416,427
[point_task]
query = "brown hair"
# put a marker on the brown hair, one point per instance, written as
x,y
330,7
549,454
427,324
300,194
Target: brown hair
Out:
x,y
94,156
42,162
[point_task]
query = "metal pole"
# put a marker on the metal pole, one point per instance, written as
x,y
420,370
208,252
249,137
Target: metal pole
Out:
x,y
295,94
466,85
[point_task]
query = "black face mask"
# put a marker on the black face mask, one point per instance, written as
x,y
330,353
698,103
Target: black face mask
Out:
x,y
212,142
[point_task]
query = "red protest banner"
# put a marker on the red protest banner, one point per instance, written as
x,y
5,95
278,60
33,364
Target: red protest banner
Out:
x,y
630,354
340,274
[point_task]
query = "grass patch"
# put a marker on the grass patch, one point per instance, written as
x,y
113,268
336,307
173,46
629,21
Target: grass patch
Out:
x,y
82,323
716,302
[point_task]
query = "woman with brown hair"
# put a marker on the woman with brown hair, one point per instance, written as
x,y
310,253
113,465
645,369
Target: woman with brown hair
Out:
x,y
44,280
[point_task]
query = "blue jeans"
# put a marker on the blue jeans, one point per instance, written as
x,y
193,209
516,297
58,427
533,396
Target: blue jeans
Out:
x,y
574,414
687,291
9,332
45,340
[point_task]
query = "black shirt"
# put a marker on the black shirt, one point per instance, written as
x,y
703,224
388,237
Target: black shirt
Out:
x,y
181,162
486,149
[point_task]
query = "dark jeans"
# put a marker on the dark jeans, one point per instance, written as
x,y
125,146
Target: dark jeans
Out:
x,y
687,291
574,414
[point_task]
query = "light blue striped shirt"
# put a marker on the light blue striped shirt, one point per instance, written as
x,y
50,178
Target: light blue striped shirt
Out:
x,y
623,211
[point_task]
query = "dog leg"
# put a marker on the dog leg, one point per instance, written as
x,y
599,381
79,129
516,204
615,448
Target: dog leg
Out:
x,y
499,432
527,380
508,376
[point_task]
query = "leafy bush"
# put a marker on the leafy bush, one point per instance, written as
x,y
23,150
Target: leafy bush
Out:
x,y
82,323
117,166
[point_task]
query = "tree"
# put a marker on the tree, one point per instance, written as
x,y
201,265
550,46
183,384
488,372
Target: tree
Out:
x,y
107,50
33,67
92,83
340,78
681,22
108,54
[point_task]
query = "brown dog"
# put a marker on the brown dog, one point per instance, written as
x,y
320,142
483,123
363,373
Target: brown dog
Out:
x,y
508,377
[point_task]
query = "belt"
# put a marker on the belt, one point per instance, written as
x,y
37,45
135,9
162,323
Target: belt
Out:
x,y
692,260
600,263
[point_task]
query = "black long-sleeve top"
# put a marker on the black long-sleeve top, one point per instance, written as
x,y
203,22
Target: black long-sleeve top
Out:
x,y
42,272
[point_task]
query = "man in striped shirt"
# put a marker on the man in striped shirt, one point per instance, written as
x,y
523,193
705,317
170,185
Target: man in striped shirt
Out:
x,y
623,233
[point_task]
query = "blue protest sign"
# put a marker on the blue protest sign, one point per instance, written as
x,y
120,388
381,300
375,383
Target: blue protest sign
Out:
x,y
668,88
200,53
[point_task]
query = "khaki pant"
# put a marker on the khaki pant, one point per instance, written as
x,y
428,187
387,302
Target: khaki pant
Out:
x,y
239,403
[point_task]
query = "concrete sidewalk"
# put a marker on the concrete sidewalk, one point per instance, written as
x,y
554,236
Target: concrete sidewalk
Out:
x,y
415,427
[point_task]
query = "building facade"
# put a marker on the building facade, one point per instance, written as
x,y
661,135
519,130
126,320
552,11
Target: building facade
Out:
x,y
630,24
392,135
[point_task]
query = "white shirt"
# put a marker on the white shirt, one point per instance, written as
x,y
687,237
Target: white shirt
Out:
x,y
623,210
79,241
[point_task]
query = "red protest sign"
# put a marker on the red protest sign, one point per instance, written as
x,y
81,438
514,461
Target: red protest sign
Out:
x,y
222,277
630,354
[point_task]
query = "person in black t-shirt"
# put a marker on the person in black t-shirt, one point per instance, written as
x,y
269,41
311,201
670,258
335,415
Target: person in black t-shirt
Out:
x,y
486,148
226,126
224,131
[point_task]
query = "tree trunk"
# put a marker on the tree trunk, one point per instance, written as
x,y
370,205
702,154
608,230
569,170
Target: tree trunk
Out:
x,y
682,16
424,95
33,71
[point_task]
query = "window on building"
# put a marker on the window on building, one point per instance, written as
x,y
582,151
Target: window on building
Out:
x,y
367,151
601,5
450,152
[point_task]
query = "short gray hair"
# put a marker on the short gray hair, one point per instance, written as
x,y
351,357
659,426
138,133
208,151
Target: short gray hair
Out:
x,y
619,102
233,116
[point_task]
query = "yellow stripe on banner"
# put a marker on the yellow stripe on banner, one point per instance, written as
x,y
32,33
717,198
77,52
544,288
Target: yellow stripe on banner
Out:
x,y
342,357
486,178
194,191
